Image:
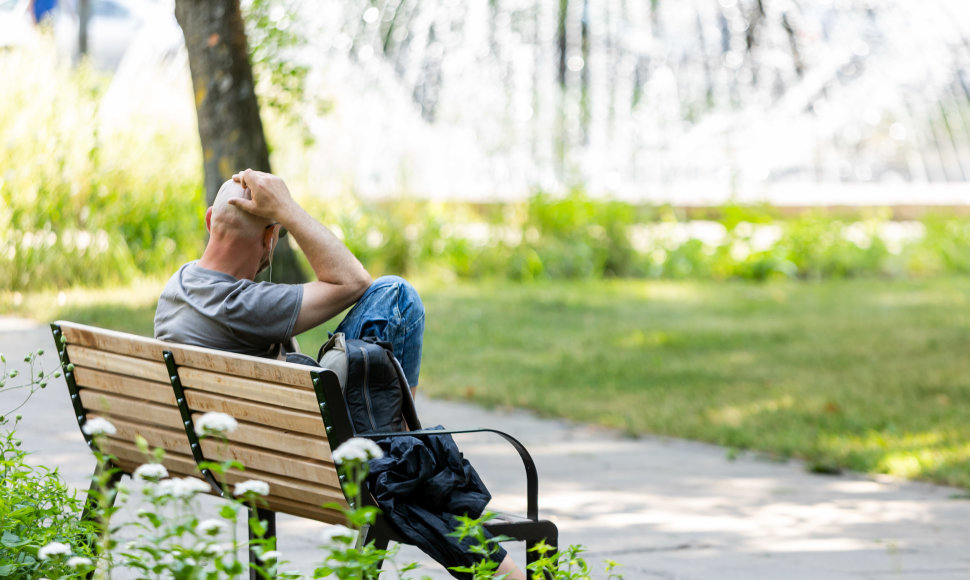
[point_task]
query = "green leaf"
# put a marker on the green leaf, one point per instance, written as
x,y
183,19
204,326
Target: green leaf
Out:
x,y
10,540
228,512
257,526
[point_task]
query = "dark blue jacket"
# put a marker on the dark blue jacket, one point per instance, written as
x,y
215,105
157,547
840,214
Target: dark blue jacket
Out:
x,y
420,486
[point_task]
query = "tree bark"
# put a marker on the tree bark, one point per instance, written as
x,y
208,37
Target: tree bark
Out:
x,y
225,100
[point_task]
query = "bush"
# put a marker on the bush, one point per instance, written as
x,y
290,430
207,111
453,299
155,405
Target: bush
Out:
x,y
82,203
576,237
36,508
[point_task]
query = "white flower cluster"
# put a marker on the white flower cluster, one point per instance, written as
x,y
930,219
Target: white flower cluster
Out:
x,y
215,424
183,488
357,449
214,550
53,549
271,556
150,472
338,534
251,486
58,549
97,426
78,562
211,527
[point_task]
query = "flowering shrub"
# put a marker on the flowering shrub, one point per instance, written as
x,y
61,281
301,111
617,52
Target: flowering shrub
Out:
x,y
39,515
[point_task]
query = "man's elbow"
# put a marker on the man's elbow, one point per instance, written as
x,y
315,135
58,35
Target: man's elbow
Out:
x,y
361,283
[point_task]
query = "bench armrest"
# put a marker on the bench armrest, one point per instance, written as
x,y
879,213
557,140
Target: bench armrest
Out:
x,y
531,473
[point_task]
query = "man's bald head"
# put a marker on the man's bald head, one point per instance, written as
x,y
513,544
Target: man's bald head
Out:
x,y
228,218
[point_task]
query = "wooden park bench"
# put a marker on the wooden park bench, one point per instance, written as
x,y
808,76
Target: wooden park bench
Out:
x,y
291,418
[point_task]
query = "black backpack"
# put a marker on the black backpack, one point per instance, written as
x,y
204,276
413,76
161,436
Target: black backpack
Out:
x,y
372,380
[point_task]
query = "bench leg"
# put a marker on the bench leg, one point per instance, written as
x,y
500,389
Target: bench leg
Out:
x,y
270,517
369,534
547,532
100,498
380,543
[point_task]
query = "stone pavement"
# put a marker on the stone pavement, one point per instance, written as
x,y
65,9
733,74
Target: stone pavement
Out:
x,y
661,508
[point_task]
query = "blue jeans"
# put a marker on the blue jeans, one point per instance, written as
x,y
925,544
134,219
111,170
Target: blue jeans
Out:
x,y
391,311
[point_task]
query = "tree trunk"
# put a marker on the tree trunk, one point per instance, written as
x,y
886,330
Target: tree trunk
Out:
x,y
83,19
225,99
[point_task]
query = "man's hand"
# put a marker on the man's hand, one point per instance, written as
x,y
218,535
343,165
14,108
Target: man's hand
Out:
x,y
266,195
341,278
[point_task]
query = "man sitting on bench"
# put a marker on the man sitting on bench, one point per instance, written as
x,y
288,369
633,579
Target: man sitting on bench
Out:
x,y
214,302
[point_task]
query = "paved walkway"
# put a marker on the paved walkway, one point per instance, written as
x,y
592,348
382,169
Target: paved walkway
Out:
x,y
661,508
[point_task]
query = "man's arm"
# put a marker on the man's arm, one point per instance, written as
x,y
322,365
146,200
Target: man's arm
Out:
x,y
341,278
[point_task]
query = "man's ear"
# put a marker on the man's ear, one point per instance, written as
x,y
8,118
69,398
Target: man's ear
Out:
x,y
268,234
208,220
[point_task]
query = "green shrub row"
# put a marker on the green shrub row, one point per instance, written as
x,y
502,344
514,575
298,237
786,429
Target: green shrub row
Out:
x,y
576,237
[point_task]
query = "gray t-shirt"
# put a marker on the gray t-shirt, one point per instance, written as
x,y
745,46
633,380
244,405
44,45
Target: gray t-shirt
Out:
x,y
207,308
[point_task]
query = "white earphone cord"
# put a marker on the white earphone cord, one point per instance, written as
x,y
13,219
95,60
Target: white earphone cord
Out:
x,y
271,261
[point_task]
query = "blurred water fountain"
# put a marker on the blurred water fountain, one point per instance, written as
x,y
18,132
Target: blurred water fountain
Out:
x,y
644,100
693,101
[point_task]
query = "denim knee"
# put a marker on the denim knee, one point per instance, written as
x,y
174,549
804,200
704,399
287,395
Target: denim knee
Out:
x,y
391,310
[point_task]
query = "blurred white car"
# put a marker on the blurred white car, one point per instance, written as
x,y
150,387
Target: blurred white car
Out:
x,y
113,26
16,24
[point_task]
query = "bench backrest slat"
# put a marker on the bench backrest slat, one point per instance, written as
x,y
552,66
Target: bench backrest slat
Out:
x,y
127,457
115,408
128,386
251,390
291,442
120,364
257,414
271,460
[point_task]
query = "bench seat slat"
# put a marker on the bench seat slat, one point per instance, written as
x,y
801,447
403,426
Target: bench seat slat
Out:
x,y
244,411
298,398
89,378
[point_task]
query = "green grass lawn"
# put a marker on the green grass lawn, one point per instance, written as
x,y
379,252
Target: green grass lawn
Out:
x,y
868,375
